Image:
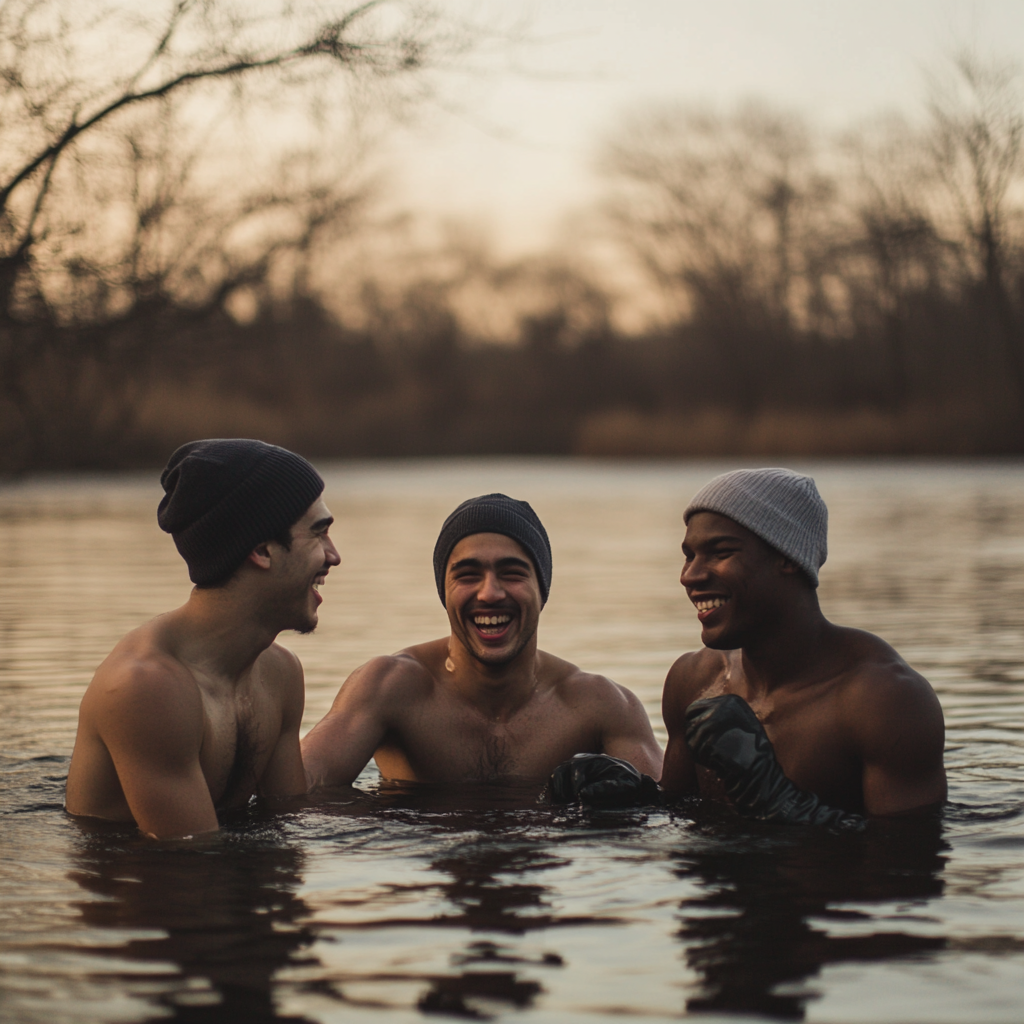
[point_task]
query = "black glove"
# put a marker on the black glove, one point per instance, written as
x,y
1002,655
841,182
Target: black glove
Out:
x,y
603,781
724,734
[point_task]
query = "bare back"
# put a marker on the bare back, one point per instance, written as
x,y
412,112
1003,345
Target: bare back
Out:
x,y
407,712
865,735
166,743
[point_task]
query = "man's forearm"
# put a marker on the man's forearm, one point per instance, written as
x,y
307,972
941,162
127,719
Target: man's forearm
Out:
x,y
724,735
332,756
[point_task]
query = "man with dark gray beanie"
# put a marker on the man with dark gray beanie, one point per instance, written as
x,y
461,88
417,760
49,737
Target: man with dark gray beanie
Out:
x,y
199,710
484,705
785,715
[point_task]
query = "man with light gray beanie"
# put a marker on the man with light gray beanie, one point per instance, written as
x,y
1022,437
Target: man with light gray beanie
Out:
x,y
787,716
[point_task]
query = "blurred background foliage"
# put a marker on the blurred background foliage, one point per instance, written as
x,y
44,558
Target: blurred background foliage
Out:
x,y
195,241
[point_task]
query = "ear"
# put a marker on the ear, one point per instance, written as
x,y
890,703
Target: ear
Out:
x,y
788,567
260,556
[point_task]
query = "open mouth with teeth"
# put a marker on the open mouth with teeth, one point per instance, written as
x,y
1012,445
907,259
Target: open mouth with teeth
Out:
x,y
493,625
706,606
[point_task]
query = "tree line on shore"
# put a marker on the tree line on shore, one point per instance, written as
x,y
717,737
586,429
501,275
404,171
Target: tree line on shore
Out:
x,y
803,294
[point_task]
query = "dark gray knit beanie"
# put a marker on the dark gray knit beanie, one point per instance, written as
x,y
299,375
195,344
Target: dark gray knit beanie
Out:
x,y
782,507
223,497
495,513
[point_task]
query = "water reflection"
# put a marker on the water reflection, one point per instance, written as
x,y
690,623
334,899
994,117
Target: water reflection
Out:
x,y
487,889
215,925
772,906
474,888
471,993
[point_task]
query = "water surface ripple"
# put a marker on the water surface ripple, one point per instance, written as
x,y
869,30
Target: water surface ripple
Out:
x,y
397,905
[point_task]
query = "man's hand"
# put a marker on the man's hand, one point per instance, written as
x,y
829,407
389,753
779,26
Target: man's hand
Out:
x,y
724,735
599,780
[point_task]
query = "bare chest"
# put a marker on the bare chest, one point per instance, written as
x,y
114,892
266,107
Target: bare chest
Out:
x,y
449,742
238,741
811,741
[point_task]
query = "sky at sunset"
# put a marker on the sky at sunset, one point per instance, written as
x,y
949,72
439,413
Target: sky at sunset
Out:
x,y
511,147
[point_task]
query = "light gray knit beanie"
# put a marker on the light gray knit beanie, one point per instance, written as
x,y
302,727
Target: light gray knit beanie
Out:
x,y
782,507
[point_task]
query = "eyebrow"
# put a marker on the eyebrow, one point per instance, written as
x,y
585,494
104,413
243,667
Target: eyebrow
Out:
x,y
322,524
718,538
472,563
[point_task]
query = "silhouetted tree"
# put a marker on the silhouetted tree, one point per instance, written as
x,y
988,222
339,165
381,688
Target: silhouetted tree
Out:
x,y
117,228
730,214
976,142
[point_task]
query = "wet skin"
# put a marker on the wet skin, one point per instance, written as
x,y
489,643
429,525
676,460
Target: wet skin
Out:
x,y
849,720
482,705
199,709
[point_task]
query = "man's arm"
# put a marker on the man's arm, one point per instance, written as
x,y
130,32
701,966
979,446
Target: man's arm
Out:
x,y
626,732
284,775
339,746
151,721
623,773
679,776
898,722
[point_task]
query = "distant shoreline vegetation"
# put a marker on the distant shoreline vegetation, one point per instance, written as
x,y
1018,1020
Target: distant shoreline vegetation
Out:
x,y
160,280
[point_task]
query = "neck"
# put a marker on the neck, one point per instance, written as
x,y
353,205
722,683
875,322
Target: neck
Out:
x,y
790,649
497,691
221,632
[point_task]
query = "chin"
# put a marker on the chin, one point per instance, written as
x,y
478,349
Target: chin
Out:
x,y
494,657
500,657
306,626
720,642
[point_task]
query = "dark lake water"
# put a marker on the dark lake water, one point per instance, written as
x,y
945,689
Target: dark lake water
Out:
x,y
398,906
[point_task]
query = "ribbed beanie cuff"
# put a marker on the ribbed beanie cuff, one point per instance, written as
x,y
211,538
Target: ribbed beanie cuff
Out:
x,y
783,508
225,496
495,513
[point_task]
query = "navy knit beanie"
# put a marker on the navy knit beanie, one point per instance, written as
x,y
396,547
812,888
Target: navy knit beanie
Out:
x,y
495,513
223,497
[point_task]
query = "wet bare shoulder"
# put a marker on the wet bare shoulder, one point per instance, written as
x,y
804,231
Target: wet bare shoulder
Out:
x,y
430,656
282,662
572,683
880,689
692,676
283,670
588,693
138,659
140,684
569,679
391,680
616,716
873,664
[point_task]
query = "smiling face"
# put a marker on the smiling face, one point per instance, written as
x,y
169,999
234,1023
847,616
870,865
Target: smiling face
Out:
x,y
493,597
300,569
734,579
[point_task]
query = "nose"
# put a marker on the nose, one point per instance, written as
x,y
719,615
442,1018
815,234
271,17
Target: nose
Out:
x,y
331,556
491,589
692,572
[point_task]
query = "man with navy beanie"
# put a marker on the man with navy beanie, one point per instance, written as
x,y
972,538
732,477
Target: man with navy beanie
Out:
x,y
484,705
495,513
199,710
786,715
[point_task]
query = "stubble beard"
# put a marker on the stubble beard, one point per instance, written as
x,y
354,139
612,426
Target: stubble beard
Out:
x,y
309,625
499,660
299,619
